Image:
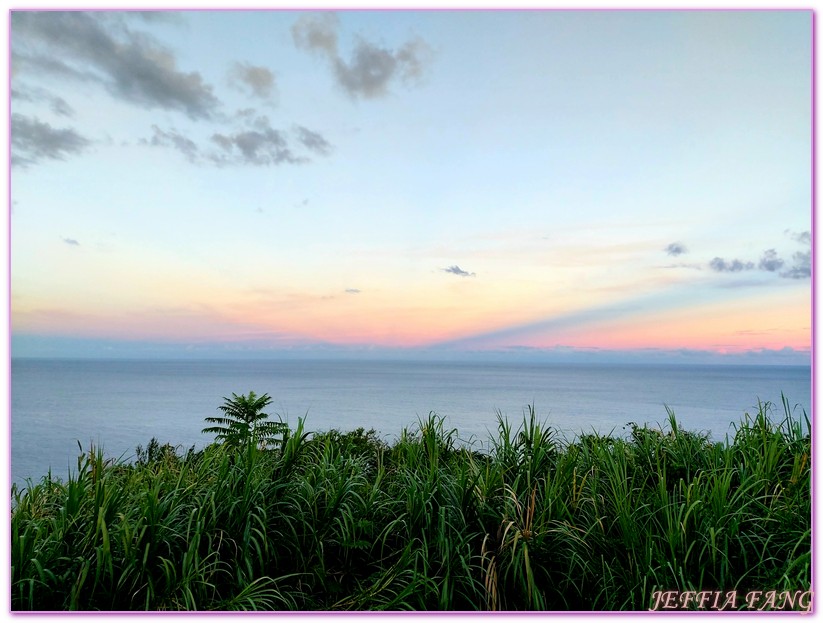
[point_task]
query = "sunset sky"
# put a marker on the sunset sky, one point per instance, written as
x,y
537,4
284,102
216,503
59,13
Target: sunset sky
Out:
x,y
629,185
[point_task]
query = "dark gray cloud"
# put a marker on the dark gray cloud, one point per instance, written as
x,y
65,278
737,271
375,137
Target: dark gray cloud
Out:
x,y
313,141
675,249
802,268
317,33
720,265
412,60
367,73
35,63
33,141
112,50
352,291
803,237
255,143
173,138
57,105
257,81
770,261
160,16
371,68
265,146
456,270
98,46
71,241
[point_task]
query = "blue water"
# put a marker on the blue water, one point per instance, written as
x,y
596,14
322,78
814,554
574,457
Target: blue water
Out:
x,y
120,404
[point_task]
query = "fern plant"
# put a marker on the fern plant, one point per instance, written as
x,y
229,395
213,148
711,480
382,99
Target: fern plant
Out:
x,y
244,422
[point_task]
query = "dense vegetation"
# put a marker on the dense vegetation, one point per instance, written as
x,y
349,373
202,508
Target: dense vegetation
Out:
x,y
343,521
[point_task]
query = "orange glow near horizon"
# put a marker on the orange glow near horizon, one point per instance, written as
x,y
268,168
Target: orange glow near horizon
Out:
x,y
735,326
354,320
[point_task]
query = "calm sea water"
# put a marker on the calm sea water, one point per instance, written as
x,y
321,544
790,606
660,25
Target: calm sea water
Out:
x,y
120,404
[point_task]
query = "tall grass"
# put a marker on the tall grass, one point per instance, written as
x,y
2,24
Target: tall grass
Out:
x,y
344,521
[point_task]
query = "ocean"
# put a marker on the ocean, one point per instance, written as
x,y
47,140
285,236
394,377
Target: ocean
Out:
x,y
119,404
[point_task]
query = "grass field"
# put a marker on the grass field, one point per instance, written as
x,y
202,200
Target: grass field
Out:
x,y
344,521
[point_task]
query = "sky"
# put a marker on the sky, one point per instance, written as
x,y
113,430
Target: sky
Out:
x,y
612,186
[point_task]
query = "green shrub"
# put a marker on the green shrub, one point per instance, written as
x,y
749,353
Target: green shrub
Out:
x,y
345,521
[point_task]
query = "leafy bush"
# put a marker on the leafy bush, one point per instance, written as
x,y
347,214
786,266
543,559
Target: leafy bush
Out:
x,y
345,521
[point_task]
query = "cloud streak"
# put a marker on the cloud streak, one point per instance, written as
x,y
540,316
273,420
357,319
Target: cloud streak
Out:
x,y
57,105
255,143
173,138
675,249
657,301
456,270
770,262
98,47
33,141
720,265
263,146
313,141
113,51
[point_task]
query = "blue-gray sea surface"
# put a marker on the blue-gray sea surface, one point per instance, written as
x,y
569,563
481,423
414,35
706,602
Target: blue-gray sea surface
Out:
x,y
120,404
